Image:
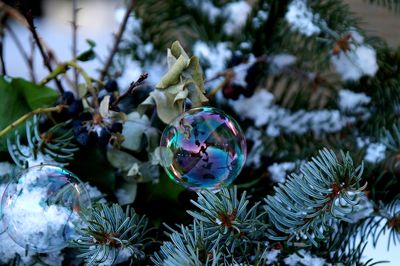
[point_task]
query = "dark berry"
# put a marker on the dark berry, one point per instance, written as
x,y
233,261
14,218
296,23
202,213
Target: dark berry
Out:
x,y
83,138
235,60
253,73
75,108
232,91
93,137
250,88
68,97
111,86
104,137
116,127
86,116
247,93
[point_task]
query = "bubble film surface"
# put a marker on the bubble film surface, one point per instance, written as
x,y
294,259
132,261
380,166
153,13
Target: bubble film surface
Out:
x,y
42,207
203,148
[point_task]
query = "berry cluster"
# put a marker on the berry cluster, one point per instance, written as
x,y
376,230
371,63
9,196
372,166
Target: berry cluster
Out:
x,y
90,128
87,132
75,106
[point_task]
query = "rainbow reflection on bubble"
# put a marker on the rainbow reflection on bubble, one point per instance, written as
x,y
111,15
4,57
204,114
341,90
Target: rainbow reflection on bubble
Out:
x,y
203,148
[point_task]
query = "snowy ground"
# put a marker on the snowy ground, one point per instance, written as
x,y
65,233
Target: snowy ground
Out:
x,y
97,22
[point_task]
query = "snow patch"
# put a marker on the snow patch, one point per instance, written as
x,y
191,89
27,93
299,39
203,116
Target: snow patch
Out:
x,y
375,153
206,7
300,17
359,61
254,155
271,256
306,258
215,56
263,112
236,14
279,62
278,171
352,101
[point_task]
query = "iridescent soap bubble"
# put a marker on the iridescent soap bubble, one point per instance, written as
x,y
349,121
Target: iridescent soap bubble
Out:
x,y
42,207
203,148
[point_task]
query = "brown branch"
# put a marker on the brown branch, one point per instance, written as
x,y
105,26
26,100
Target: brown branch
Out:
x,y
74,38
45,55
134,85
117,40
3,65
24,54
14,13
31,59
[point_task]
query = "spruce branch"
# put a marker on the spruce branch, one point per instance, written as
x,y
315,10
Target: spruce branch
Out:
x,y
391,138
224,212
56,143
385,218
189,246
224,231
308,204
108,231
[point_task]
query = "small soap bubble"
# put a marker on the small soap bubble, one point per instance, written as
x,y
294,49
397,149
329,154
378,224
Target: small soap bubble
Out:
x,y
42,207
203,148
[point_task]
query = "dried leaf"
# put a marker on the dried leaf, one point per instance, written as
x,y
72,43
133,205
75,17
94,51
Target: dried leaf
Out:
x,y
184,80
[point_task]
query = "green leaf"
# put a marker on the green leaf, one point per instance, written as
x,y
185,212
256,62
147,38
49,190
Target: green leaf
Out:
x,y
12,107
35,96
88,54
91,43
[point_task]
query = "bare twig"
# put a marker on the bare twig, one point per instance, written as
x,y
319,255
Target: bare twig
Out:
x,y
3,65
57,108
130,90
45,55
74,38
24,54
117,40
31,59
14,13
